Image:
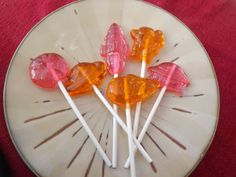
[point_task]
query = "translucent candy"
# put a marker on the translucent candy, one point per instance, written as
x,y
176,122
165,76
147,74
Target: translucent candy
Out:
x,y
130,89
115,49
43,68
146,43
83,75
176,82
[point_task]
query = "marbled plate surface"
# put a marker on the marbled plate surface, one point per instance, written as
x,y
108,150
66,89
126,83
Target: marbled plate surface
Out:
x,y
47,134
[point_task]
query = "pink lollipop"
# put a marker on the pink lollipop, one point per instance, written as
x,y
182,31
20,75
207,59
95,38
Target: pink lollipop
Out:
x,y
169,75
47,71
115,51
172,78
41,70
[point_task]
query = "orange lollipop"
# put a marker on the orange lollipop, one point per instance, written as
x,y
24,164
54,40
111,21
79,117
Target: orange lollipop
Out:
x,y
146,45
84,75
126,91
130,89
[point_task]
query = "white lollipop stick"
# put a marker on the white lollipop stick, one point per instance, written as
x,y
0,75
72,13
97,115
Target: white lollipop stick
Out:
x,y
114,136
83,122
148,121
152,112
80,117
129,126
142,75
131,152
123,126
138,105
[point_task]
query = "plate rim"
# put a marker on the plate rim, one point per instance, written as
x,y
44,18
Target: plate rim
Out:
x,y
203,153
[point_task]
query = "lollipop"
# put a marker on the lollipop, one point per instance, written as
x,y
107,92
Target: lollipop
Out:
x,y
172,78
130,89
114,51
85,77
47,71
127,91
146,45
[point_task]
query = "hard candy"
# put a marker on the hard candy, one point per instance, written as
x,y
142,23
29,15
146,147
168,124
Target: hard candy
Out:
x,y
47,69
146,43
83,75
115,49
176,82
130,89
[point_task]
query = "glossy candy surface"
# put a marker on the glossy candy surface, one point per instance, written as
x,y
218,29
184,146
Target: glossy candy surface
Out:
x,y
130,89
146,43
43,68
177,82
115,49
83,75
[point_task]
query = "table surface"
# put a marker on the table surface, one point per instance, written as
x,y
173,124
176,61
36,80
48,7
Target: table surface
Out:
x,y
214,24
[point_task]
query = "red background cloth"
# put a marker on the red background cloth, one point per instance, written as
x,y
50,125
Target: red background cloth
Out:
x,y
214,22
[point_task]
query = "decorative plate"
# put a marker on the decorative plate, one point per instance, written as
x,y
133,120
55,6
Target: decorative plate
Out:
x,y
46,132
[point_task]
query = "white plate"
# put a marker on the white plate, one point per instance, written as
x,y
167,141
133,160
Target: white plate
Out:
x,y
181,131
